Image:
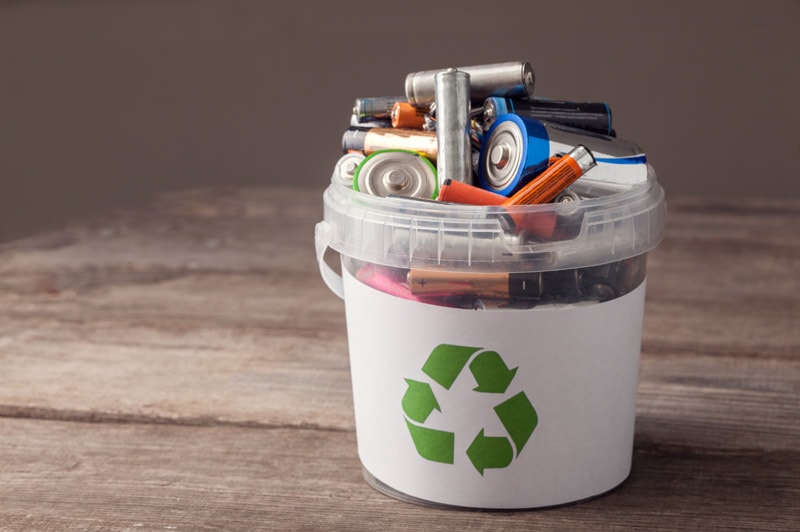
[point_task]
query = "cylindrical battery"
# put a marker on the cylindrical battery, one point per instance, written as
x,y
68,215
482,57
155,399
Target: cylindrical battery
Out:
x,y
465,194
591,116
484,285
558,176
405,115
380,108
373,122
517,148
396,172
454,155
532,224
369,140
513,79
345,168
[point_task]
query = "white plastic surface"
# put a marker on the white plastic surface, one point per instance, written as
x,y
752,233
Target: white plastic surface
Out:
x,y
577,366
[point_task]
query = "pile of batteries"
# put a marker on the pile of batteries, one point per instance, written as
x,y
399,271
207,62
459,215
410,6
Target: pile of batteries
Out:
x,y
477,135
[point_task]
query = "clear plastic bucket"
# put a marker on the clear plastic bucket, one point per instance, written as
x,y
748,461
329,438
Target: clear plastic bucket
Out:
x,y
494,352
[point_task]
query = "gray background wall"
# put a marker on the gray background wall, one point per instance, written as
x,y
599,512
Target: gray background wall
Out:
x,y
104,103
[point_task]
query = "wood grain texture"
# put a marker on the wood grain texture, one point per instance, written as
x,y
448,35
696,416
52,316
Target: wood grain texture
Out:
x,y
183,365
139,476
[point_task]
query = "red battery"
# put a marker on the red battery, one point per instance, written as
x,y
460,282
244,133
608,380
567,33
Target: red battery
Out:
x,y
537,224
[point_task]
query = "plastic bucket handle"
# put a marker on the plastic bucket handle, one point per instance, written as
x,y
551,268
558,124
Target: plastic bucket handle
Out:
x,y
322,240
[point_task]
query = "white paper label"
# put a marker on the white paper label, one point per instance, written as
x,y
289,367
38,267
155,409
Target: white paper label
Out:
x,y
494,408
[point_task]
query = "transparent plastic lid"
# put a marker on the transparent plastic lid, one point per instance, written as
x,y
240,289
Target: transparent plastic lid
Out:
x,y
610,223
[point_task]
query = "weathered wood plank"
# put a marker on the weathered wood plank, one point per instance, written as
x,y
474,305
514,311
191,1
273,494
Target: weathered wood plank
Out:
x,y
724,280
91,476
209,306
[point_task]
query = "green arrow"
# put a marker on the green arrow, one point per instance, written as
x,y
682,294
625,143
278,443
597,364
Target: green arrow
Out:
x,y
446,362
519,418
491,373
431,444
487,451
419,401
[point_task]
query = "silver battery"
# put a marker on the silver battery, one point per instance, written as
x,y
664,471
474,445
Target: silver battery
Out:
x,y
345,169
567,196
369,109
454,155
400,173
504,157
372,122
514,79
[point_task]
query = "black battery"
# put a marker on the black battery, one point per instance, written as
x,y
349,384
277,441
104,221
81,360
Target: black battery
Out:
x,y
589,116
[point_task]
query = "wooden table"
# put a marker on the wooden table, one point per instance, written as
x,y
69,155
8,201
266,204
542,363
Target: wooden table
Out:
x,y
182,366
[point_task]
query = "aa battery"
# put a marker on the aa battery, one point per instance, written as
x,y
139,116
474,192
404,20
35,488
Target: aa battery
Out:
x,y
406,116
514,79
567,196
465,194
400,173
370,109
369,140
590,116
481,285
526,223
517,148
345,169
454,154
376,122
550,183
614,279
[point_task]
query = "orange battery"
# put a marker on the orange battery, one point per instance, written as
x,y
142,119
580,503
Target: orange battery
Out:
x,y
458,192
405,115
558,176
539,224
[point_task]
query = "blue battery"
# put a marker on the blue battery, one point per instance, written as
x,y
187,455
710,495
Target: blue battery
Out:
x,y
517,148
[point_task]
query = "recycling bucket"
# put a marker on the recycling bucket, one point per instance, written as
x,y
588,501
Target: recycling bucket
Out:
x,y
494,351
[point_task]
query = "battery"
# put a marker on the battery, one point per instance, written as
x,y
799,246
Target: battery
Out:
x,y
516,149
345,168
396,172
465,194
534,224
372,122
557,177
405,115
483,285
371,139
454,152
591,116
513,79
380,108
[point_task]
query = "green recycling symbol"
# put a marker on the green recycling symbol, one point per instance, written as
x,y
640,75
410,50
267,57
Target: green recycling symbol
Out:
x,y
493,376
